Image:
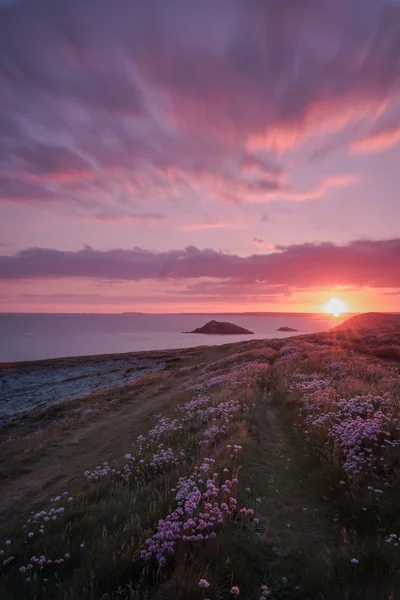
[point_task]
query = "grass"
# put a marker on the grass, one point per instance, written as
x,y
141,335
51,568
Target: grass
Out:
x,y
305,530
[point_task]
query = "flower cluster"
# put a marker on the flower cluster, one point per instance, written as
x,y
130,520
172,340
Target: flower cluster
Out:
x,y
203,506
358,432
393,539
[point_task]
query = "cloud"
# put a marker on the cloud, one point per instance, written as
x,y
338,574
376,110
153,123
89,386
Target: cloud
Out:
x,y
130,216
359,263
21,190
262,244
151,101
55,162
209,224
265,191
381,139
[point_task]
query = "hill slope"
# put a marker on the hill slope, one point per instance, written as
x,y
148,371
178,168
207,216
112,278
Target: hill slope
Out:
x,y
371,321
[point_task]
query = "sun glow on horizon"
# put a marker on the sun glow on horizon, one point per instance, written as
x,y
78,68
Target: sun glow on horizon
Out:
x,y
335,307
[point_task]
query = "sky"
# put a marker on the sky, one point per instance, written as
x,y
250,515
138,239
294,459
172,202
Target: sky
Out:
x,y
186,156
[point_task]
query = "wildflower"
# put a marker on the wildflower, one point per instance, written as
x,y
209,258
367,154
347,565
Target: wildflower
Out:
x,y
247,490
67,556
284,580
235,590
22,569
82,545
258,500
203,583
354,561
8,542
31,534
256,520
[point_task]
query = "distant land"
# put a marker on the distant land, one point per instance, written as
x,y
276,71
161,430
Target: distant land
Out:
x,y
371,320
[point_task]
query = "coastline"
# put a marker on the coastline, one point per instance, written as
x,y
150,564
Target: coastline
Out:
x,y
53,449
30,385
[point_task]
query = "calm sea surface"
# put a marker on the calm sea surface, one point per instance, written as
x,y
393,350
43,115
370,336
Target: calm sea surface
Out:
x,y
37,336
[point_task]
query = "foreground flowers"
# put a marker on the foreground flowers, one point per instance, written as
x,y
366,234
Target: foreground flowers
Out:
x,y
361,433
187,467
235,590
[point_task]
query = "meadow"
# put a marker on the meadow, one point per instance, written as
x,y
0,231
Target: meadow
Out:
x,y
264,469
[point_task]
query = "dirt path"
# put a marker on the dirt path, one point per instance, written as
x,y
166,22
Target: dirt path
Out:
x,y
298,525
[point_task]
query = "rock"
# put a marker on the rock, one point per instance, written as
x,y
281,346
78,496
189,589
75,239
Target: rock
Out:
x,y
286,329
221,328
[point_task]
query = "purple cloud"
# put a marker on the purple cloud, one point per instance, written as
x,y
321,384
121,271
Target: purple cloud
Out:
x,y
42,160
22,190
359,263
166,99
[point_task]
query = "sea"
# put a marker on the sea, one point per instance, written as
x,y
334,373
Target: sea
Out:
x,y
32,337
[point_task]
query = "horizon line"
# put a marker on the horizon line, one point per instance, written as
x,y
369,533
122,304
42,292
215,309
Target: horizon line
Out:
x,y
255,312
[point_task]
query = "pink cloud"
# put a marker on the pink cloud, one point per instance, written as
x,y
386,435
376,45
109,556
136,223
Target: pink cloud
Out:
x,y
379,140
209,224
359,263
262,244
268,190
149,102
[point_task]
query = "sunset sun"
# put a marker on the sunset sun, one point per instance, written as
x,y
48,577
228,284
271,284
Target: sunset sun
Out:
x,y
335,307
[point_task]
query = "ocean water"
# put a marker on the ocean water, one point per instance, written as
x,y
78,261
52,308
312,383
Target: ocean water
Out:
x,y
26,337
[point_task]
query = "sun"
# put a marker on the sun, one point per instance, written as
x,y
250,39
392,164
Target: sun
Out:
x,y
335,307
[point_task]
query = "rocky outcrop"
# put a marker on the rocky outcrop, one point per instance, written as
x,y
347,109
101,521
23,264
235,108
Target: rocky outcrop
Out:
x,y
220,328
286,329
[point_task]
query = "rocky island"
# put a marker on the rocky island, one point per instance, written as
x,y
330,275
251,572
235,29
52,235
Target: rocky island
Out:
x,y
221,328
286,329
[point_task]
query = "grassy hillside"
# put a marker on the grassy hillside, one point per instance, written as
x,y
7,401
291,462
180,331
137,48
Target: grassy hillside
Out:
x,y
265,469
